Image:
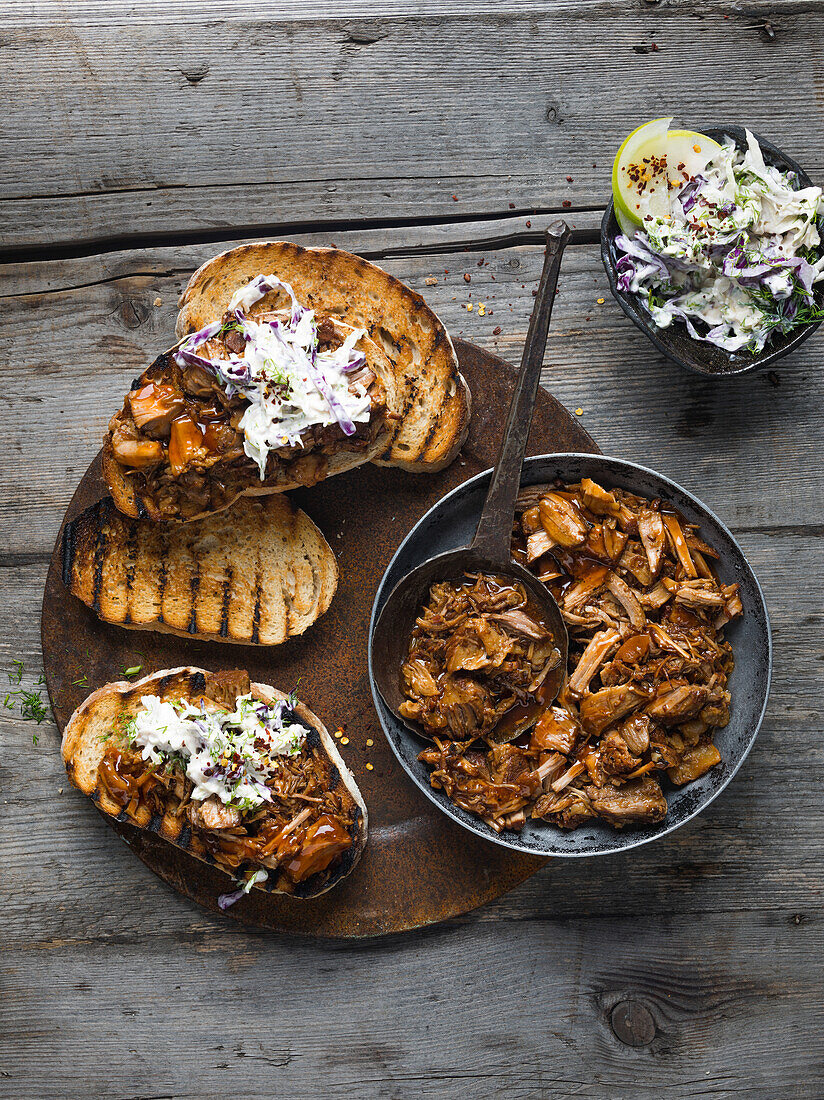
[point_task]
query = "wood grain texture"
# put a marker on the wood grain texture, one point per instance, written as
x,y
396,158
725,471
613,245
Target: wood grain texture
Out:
x,y
143,138
562,978
278,122
635,403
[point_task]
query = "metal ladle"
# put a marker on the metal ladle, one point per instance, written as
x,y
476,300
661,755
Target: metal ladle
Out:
x,y
489,551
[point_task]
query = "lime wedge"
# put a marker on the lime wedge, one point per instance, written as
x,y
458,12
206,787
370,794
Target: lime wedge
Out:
x,y
652,166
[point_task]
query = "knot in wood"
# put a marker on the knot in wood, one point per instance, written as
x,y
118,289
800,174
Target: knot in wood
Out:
x,y
632,1023
133,312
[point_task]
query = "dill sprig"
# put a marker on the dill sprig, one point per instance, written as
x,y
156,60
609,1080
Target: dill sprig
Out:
x,y
29,701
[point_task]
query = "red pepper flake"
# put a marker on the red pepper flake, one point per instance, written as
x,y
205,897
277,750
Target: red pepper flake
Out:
x,y
492,277
529,225
467,277
653,47
566,203
534,293
481,262
512,206
496,331
570,179
454,198
446,271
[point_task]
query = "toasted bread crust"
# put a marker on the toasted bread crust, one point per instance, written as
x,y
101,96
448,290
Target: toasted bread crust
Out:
x,y
434,400
256,574
83,749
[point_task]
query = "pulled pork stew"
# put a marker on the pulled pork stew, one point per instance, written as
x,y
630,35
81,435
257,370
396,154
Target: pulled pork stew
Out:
x,y
179,434
647,675
479,651
301,827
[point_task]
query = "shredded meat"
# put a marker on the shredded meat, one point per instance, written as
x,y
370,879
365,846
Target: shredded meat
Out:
x,y
227,687
212,814
303,831
179,438
638,802
648,664
478,651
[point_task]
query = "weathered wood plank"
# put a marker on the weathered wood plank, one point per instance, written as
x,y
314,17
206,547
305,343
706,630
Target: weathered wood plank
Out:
x,y
205,1015
123,13
71,352
283,123
133,122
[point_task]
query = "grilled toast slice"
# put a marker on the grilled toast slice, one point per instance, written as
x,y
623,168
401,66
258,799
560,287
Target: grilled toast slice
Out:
x,y
256,574
433,398
98,725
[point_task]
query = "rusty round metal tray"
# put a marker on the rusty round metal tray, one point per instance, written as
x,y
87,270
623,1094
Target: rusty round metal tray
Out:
x,y
418,867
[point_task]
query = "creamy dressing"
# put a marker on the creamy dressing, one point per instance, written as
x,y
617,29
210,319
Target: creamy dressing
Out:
x,y
735,252
290,384
231,755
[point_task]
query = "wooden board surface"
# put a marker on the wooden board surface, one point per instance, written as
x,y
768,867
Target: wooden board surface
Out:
x,y
150,122
704,949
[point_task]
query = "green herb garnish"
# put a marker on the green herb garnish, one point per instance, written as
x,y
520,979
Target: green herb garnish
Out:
x,y
32,707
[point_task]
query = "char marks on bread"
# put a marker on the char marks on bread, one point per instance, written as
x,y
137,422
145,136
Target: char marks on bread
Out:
x,y
255,574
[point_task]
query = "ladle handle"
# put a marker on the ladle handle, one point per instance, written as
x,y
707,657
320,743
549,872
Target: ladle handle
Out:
x,y
494,532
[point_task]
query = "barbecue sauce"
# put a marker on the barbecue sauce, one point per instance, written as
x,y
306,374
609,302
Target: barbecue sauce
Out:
x,y
319,845
527,706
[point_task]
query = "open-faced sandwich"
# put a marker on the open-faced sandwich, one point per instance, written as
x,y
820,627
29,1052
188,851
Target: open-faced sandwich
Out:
x,y
235,773
257,573
293,364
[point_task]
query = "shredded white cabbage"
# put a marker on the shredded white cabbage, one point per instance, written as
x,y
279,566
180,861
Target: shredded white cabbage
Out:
x,y
225,754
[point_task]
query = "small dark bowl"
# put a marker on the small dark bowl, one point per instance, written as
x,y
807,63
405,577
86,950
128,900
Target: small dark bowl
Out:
x,y
675,342
451,523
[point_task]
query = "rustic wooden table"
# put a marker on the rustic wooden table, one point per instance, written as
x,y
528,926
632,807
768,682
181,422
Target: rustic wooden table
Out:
x,y
430,136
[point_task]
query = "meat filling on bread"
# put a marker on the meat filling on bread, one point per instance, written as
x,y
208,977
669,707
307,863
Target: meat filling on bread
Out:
x,y
261,399
246,776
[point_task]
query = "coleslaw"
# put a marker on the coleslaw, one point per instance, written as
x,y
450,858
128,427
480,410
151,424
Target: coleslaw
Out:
x,y
289,383
736,258
231,755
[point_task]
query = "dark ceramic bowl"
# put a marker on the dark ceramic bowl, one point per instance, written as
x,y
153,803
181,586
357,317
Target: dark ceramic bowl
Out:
x,y
675,342
451,524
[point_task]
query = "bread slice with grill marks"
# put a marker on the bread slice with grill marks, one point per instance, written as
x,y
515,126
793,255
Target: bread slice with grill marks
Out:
x,y
255,574
433,402
98,724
